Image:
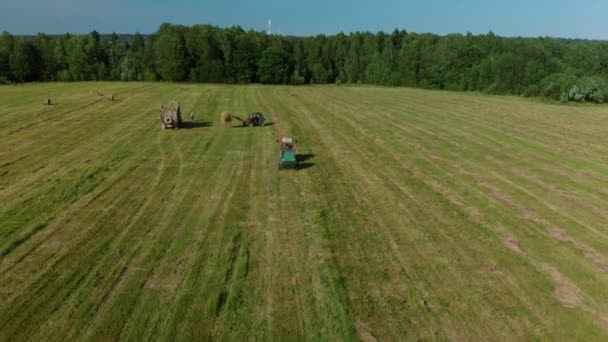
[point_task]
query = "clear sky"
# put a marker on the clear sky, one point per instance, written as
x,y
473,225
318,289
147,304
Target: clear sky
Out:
x,y
557,18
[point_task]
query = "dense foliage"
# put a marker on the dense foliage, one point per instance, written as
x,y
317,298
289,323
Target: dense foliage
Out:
x,y
565,70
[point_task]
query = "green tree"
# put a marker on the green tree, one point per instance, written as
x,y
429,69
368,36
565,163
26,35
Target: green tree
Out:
x,y
25,61
60,58
320,75
79,68
352,66
46,48
378,70
170,51
339,49
242,52
275,65
204,49
117,50
7,42
95,58
408,65
301,72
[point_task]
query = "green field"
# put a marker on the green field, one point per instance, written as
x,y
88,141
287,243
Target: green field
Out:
x,y
415,215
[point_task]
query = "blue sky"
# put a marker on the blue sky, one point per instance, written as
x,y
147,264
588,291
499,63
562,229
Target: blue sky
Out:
x,y
557,18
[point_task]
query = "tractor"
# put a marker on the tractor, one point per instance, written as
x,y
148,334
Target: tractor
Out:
x,y
255,119
287,156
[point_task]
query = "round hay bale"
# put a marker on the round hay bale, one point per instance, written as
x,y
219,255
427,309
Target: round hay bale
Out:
x,y
226,116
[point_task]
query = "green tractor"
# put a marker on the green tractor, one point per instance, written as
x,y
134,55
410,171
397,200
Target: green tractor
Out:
x,y
287,157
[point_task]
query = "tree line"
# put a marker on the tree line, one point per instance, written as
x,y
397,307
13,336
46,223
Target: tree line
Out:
x,y
566,70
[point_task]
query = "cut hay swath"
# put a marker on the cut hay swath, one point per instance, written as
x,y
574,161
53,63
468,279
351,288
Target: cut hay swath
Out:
x,y
413,215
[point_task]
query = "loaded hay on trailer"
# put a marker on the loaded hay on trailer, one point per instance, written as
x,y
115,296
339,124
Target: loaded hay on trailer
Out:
x,y
171,115
226,116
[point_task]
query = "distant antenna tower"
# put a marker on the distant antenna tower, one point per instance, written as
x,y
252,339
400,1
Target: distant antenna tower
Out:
x,y
269,26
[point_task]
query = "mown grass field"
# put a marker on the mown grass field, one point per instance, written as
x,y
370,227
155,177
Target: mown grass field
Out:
x,y
416,215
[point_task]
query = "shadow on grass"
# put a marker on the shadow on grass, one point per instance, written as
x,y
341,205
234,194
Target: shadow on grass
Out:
x,y
304,157
241,125
304,166
193,125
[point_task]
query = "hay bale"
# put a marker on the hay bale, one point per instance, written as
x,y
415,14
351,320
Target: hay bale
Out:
x,y
47,102
226,116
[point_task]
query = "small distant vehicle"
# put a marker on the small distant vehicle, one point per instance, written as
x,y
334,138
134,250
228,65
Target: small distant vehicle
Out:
x,y
256,119
287,156
171,115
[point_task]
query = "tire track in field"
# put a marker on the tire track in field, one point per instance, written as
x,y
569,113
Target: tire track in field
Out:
x,y
593,254
170,190
559,213
367,183
490,140
153,234
167,266
428,152
206,312
51,269
337,210
282,218
61,121
443,191
56,166
51,218
76,153
115,250
351,144
548,206
373,240
562,212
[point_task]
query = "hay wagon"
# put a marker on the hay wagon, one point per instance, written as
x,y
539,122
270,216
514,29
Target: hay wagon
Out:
x,y
287,156
171,116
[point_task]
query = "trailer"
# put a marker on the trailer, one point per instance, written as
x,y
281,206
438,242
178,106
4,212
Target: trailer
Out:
x,y
171,115
287,156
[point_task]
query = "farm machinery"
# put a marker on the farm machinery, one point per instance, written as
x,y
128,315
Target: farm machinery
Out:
x,y
287,156
171,116
253,120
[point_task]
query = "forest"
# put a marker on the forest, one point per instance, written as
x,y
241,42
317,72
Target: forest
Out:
x,y
559,69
